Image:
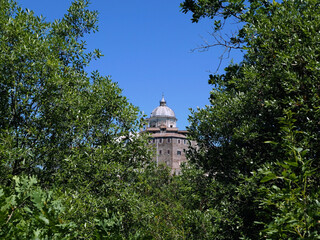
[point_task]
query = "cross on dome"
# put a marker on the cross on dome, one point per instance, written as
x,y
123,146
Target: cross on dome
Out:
x,y
163,101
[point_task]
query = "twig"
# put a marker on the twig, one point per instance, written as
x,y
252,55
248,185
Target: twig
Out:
x,y
11,214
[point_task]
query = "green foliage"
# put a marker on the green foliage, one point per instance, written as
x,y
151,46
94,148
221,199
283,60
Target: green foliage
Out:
x,y
246,127
292,198
71,131
29,212
213,8
50,108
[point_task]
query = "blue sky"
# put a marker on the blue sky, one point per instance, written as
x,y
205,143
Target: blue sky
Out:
x,y
147,51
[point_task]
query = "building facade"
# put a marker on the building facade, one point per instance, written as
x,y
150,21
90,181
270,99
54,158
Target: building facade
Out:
x,y
169,142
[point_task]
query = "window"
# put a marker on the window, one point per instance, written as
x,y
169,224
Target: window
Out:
x,y
178,152
179,141
168,151
160,140
160,152
154,140
169,140
171,126
184,141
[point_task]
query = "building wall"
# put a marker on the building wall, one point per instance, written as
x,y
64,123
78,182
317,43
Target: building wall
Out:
x,y
170,151
179,148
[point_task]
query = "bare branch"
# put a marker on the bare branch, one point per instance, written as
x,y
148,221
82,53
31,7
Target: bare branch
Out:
x,y
13,209
220,41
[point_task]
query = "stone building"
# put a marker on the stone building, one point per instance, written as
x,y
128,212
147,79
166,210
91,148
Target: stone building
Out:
x,y
169,142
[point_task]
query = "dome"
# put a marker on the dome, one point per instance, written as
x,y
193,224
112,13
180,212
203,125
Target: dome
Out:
x,y
163,110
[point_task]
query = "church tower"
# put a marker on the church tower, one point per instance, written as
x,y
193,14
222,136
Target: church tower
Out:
x,y
169,142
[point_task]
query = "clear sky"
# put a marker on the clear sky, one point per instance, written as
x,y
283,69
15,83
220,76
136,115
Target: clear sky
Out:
x,y
147,50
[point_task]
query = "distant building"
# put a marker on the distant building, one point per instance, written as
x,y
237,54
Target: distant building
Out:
x,y
170,143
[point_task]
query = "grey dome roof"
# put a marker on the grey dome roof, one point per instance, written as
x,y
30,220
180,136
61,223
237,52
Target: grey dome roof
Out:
x,y
163,110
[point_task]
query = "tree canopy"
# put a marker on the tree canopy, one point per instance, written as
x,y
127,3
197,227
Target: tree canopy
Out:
x,y
259,137
65,135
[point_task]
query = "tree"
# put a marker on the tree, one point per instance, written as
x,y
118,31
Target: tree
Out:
x,y
279,74
50,107
70,133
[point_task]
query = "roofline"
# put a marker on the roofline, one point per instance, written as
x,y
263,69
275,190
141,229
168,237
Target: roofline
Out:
x,y
162,116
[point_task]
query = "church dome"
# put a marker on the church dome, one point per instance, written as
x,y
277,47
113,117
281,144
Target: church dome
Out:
x,y
163,110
